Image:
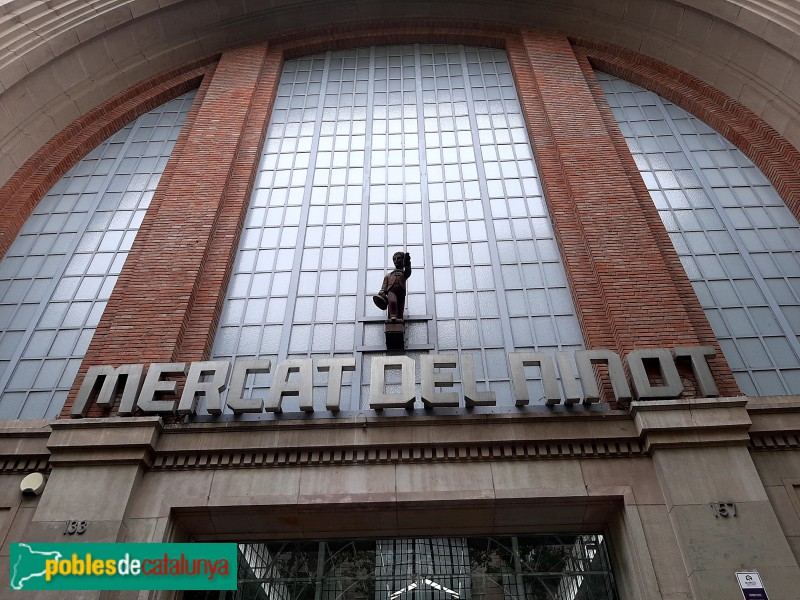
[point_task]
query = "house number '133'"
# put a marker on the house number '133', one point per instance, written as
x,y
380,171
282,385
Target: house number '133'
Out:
x,y
75,528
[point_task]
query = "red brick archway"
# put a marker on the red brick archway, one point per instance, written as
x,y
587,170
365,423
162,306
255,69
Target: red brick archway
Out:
x,y
629,287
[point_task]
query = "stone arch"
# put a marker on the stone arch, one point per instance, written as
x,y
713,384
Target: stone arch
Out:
x,y
59,61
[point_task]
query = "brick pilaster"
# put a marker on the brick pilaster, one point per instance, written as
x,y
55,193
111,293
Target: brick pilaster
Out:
x,y
147,316
723,375
625,293
218,260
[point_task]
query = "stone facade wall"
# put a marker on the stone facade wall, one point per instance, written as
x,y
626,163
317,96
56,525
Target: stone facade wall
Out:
x,y
646,478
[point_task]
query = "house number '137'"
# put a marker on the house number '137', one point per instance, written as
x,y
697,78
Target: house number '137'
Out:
x,y
75,527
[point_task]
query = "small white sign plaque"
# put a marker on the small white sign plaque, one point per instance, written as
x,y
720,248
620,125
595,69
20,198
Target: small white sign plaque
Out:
x,y
751,586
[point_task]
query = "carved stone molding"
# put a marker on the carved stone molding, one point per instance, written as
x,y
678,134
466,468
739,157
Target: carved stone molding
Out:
x,y
346,456
774,441
24,464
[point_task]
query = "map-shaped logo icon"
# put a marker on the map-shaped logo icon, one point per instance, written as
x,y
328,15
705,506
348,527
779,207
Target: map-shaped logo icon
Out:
x,y
27,564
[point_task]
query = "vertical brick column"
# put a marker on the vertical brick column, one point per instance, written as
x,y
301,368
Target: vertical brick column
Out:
x,y
625,293
147,316
670,260
205,310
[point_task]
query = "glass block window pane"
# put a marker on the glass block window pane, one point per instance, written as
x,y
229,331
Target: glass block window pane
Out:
x,y
58,274
370,151
739,243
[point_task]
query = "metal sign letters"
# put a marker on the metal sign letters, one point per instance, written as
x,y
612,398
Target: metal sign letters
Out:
x,y
150,393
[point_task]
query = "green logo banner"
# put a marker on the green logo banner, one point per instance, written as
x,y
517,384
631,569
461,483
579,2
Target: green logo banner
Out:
x,y
123,566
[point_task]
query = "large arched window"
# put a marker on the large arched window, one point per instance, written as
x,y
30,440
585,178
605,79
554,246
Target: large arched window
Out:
x,y
739,243
417,148
58,274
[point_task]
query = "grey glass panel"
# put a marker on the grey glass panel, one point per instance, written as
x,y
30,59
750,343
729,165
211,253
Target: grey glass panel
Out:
x,y
417,148
58,274
738,241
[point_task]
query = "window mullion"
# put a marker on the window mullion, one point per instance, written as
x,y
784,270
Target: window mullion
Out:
x,y
361,291
288,320
430,306
497,273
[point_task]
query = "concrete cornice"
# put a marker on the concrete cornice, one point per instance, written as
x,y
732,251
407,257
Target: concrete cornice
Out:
x,y
776,423
694,422
23,446
769,423
397,440
95,441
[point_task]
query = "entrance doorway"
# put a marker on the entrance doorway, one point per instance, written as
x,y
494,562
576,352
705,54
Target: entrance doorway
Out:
x,y
534,567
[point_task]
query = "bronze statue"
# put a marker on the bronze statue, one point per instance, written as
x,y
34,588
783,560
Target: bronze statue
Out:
x,y
393,290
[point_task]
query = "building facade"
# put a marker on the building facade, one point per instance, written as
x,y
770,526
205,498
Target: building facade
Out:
x,y
598,393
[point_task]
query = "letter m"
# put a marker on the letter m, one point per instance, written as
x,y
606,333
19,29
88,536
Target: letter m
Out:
x,y
107,379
